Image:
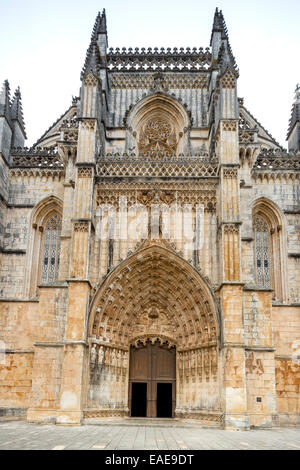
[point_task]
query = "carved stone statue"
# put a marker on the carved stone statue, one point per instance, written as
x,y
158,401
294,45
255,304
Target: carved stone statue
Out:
x,y
93,354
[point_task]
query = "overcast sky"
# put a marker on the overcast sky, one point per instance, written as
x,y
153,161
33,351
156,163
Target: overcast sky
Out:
x,y
43,46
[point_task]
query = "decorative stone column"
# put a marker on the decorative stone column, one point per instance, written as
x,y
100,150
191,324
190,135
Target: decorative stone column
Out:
x,y
75,345
75,354
231,287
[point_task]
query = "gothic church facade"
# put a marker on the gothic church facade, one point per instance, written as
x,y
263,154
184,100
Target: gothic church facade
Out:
x,y
150,247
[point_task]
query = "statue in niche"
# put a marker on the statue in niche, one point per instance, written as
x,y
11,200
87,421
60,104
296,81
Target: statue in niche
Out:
x,y
113,358
119,360
101,355
214,362
206,362
193,360
107,357
125,360
180,361
93,354
199,364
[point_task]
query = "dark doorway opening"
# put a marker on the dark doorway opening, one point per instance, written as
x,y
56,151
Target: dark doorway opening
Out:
x,y
164,400
152,364
139,399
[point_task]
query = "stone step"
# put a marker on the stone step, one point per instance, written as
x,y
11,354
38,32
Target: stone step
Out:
x,y
153,422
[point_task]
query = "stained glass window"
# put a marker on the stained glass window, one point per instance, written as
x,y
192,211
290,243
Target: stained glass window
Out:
x,y
51,249
262,252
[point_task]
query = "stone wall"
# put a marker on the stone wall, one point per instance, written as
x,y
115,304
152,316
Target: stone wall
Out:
x,y
15,383
287,342
18,327
284,191
261,397
19,324
26,190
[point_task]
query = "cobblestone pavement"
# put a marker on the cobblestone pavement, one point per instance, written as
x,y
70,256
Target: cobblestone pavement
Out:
x,y
17,435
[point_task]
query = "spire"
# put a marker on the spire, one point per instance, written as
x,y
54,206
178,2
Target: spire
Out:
x,y
219,41
17,109
293,134
100,25
218,24
92,61
5,100
226,60
93,58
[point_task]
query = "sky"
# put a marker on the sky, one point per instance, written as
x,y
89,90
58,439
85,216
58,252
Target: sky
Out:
x,y
43,46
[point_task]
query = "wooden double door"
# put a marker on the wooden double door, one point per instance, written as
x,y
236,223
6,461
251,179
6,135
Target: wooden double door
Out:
x,y
152,381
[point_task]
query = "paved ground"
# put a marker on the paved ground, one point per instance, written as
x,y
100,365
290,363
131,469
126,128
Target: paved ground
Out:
x,y
20,435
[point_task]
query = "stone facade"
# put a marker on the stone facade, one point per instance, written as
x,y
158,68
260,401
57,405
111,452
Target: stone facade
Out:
x,y
156,211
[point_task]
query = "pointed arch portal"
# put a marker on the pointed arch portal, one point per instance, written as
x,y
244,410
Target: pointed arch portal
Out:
x,y
154,302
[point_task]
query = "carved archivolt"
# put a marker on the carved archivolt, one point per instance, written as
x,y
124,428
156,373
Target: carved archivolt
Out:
x,y
154,292
154,296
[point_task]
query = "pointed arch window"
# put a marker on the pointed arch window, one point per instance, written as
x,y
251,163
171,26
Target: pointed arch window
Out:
x,y
270,248
262,252
43,253
51,249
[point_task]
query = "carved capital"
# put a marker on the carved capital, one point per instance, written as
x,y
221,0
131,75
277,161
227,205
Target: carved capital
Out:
x,y
231,228
229,125
230,172
81,227
85,172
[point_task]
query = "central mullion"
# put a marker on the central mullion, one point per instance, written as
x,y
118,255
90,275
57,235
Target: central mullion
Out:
x,y
151,406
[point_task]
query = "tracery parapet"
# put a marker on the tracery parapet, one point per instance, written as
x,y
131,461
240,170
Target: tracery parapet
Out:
x,y
144,59
36,157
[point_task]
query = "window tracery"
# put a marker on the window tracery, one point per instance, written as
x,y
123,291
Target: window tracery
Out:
x,y
262,252
51,249
157,138
270,248
44,245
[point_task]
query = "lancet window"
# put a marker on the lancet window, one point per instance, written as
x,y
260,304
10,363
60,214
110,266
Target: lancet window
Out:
x,y
51,249
262,252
